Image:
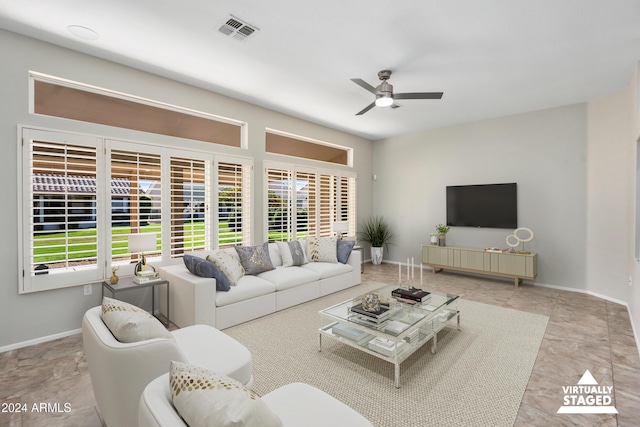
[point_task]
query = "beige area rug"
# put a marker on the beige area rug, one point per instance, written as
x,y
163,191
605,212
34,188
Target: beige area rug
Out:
x,y
477,377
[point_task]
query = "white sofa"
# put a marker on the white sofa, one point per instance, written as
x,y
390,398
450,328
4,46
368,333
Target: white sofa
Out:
x,y
296,404
194,299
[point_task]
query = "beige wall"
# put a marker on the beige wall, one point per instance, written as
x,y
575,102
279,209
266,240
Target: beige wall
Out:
x,y
56,312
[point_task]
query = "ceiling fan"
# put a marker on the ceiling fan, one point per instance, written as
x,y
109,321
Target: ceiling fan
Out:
x,y
385,96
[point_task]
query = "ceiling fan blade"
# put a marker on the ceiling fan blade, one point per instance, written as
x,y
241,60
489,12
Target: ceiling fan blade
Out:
x,y
366,86
418,95
367,108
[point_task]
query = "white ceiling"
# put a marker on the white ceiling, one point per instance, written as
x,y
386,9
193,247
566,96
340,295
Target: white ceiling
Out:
x,y
491,58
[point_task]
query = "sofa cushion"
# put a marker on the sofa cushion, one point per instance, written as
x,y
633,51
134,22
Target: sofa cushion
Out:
x,y
129,323
203,397
229,265
290,277
344,248
206,346
322,249
248,287
255,259
274,253
292,253
205,268
328,269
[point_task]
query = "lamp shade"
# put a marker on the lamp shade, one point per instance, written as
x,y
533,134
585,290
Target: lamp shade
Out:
x,y
341,226
142,242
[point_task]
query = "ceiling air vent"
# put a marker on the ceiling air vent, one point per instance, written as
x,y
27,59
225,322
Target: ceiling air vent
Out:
x,y
236,28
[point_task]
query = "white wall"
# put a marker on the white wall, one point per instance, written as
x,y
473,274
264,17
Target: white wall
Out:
x,y
544,152
610,189
27,317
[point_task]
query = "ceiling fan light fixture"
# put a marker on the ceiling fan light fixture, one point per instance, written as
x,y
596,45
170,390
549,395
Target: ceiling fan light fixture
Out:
x,y
384,101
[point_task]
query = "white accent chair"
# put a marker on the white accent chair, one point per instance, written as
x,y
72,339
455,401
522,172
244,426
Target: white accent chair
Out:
x,y
120,371
296,404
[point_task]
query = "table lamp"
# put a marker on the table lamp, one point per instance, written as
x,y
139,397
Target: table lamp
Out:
x,y
141,243
341,227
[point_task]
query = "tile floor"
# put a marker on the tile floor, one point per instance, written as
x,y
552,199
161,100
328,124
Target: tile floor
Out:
x,y
583,332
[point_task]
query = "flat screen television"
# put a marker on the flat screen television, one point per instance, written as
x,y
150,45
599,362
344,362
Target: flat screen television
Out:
x,y
489,205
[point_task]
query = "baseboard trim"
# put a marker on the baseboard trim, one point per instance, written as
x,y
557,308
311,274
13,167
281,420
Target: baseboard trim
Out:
x,y
39,340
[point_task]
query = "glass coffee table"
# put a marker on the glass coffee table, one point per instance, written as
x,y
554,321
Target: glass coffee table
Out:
x,y
394,332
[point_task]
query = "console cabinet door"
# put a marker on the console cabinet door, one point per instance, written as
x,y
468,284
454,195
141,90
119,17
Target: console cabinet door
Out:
x,y
473,260
437,255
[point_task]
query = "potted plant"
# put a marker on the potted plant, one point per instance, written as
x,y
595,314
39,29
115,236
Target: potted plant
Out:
x,y
442,234
376,232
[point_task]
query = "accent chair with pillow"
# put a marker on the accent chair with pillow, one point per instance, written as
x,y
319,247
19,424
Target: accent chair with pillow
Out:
x,y
171,401
121,370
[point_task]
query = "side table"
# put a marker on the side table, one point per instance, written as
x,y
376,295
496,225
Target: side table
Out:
x,y
127,284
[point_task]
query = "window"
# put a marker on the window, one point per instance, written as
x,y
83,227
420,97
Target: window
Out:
x,y
60,205
71,100
234,203
297,146
83,195
137,209
190,221
303,201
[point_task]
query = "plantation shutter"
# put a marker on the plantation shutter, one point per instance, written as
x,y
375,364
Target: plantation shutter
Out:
x,y
64,200
59,209
136,200
306,210
234,204
279,218
346,202
190,218
327,205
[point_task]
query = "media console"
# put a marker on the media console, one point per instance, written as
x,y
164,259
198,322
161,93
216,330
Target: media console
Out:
x,y
506,264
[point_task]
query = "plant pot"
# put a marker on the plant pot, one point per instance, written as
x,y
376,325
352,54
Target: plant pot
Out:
x,y
442,240
376,255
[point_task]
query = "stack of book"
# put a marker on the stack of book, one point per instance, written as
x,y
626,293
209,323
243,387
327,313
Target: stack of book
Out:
x,y
385,347
144,276
413,336
396,327
360,337
411,295
375,317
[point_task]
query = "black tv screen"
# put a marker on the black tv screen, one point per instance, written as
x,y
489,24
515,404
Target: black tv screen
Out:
x,y
490,205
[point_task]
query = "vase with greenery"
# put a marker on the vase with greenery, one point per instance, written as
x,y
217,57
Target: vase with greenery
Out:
x,y
376,232
442,234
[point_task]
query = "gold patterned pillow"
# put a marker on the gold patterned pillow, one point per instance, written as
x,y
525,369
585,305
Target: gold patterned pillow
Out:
x,y
129,323
228,264
206,398
323,249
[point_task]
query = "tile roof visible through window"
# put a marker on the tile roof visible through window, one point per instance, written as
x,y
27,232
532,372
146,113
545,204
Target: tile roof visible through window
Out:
x,y
50,183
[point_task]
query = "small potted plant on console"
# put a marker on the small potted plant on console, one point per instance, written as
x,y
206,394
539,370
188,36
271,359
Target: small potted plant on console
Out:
x,y
442,234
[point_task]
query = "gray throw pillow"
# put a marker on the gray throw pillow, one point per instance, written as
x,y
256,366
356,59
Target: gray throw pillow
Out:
x,y
344,250
205,268
255,259
292,253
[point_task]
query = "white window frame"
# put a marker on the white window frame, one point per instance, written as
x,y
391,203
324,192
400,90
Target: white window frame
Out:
x,y
28,283
294,169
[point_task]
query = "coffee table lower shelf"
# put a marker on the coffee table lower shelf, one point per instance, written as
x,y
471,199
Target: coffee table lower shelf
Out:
x,y
398,355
